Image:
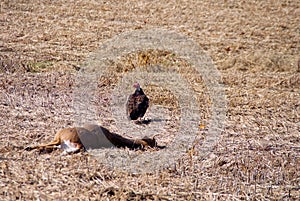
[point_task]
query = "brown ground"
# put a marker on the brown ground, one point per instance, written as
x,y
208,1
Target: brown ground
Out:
x,y
254,44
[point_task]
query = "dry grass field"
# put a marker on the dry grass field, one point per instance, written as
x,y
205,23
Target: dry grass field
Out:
x,y
254,44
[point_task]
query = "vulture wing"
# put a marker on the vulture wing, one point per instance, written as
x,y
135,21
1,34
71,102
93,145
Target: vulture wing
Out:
x,y
137,105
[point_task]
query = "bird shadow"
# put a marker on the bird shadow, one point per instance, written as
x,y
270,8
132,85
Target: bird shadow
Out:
x,y
148,121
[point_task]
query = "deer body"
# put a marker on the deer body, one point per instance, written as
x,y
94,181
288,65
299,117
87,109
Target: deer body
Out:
x,y
92,137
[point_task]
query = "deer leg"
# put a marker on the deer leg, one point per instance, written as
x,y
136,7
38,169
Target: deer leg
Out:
x,y
49,145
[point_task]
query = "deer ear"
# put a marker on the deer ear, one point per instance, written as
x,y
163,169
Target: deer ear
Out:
x,y
153,136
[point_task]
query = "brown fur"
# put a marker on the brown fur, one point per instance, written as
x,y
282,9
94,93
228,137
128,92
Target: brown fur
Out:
x,y
94,136
64,134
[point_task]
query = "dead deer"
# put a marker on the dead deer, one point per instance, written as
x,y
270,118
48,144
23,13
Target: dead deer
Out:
x,y
92,137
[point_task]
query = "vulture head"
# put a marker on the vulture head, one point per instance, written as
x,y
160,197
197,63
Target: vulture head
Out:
x,y
137,86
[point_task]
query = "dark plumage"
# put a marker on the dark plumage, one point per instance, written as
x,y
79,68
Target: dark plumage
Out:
x,y
137,103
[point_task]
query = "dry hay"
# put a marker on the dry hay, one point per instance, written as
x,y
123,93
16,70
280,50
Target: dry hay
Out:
x,y
163,101
254,44
158,61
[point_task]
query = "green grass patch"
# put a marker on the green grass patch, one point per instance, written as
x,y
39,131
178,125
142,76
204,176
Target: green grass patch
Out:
x,y
40,66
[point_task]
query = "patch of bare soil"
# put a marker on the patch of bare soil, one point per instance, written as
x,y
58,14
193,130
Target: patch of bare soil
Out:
x,y
254,44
